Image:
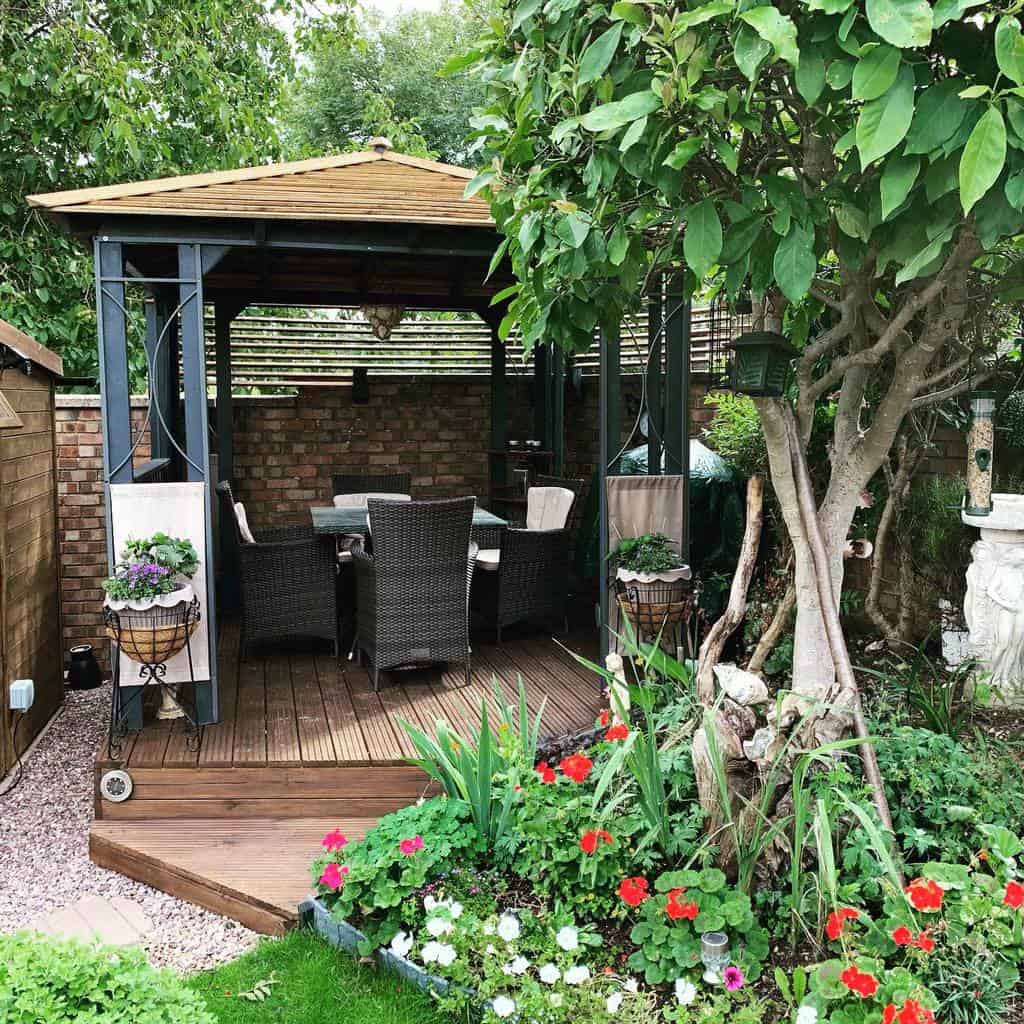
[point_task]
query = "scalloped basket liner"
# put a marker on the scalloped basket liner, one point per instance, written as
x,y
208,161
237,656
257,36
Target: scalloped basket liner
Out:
x,y
179,510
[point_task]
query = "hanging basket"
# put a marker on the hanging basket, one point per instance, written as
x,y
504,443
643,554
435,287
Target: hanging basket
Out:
x,y
153,632
654,602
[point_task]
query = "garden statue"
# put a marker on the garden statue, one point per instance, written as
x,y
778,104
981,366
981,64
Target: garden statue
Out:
x,y
994,605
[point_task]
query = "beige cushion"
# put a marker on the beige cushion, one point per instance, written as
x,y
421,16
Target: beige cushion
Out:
x,y
355,500
547,508
243,524
488,559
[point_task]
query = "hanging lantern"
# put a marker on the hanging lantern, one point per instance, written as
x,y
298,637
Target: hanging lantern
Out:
x,y
761,361
980,442
383,319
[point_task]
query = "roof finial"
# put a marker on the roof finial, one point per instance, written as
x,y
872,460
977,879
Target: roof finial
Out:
x,y
381,144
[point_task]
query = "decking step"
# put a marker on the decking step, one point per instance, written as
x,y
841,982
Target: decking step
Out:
x,y
255,871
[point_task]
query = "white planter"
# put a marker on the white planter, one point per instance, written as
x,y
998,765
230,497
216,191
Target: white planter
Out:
x,y
182,595
680,575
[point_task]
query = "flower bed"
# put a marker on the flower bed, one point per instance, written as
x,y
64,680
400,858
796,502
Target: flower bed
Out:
x,y
583,889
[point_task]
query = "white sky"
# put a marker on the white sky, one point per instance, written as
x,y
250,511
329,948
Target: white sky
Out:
x,y
389,7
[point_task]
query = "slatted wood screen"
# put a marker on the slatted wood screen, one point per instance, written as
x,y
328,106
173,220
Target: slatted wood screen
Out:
x,y
282,352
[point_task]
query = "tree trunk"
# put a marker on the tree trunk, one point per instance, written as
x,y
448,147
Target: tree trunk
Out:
x,y
736,609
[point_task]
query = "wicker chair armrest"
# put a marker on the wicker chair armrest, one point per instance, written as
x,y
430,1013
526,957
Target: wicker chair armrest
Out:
x,y
547,547
280,534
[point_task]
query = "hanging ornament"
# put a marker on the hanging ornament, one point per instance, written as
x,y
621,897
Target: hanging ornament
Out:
x,y
383,319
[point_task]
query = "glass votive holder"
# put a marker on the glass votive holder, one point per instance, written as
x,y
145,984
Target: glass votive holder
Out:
x,y
714,955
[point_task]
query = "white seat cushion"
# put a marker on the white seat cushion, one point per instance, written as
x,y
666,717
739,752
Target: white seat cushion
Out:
x,y
243,524
355,500
488,559
547,508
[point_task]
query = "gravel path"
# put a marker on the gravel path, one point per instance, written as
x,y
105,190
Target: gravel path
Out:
x,y
44,849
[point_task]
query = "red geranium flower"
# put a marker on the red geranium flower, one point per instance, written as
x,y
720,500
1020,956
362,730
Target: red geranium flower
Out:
x,y
1014,895
334,840
617,732
925,894
606,717
589,840
576,767
333,877
924,942
680,911
409,846
889,1014
903,936
633,891
914,1013
834,926
545,771
863,984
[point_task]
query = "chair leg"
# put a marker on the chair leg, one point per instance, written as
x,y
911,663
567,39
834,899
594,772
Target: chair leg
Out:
x,y
469,671
498,634
376,679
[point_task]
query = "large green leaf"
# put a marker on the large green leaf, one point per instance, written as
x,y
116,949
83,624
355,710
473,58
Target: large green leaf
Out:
x,y
702,241
740,236
883,123
749,50
897,180
950,10
778,29
904,23
699,15
939,113
1015,190
795,263
924,259
598,55
810,74
683,153
620,112
1010,49
875,72
983,157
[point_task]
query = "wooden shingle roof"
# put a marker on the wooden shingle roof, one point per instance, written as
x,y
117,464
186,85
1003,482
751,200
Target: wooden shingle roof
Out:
x,y
28,348
371,187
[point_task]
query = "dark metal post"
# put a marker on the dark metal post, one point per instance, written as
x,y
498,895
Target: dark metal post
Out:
x,y
558,410
609,414
197,446
163,375
113,352
228,567
541,396
677,392
499,414
655,382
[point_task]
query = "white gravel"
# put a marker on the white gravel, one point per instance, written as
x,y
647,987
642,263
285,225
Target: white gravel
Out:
x,y
44,849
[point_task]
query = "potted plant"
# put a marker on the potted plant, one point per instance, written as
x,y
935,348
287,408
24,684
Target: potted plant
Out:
x,y
651,581
144,598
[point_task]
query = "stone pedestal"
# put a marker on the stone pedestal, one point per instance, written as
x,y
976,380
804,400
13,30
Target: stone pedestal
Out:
x,y
994,605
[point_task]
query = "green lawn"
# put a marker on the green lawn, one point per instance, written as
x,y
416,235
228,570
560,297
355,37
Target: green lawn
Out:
x,y
316,983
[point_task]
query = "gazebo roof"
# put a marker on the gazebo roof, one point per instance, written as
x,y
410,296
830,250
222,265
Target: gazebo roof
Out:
x,y
379,186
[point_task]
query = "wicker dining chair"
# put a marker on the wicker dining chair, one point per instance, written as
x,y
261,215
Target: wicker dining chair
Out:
x,y
526,577
412,593
287,577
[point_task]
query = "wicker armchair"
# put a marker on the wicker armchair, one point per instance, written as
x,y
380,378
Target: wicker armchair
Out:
x,y
412,592
287,581
371,483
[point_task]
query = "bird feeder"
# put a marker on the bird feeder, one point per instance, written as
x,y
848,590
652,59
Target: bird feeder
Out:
x,y
761,364
980,441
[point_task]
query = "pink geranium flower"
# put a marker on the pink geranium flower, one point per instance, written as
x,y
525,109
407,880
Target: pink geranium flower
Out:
x,y
733,978
334,840
410,846
333,876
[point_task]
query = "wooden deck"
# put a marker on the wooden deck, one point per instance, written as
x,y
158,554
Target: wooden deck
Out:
x,y
303,745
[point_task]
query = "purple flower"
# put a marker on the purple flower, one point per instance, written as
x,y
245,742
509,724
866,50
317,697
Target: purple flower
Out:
x,y
733,978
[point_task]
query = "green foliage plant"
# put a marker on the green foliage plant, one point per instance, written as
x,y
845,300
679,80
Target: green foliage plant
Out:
x,y
61,982
151,567
735,432
174,553
650,552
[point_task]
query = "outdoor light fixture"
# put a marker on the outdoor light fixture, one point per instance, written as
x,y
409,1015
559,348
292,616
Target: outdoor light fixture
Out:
x,y
83,671
761,363
980,441
383,319
714,955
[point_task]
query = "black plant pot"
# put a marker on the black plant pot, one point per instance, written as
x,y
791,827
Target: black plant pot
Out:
x,y
84,673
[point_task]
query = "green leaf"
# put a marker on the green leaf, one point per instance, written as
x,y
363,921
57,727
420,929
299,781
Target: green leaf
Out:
x,y
830,6
839,74
706,12
810,74
573,229
939,114
525,10
683,153
904,23
1015,190
749,50
875,72
740,236
483,179
795,263
949,10
619,112
853,221
726,153
898,179
702,241
598,55
633,13
883,123
618,245
529,231
983,157
1010,49
460,62
928,255
777,28
633,134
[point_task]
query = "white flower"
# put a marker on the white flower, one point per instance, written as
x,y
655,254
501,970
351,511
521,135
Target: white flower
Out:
x,y
438,926
806,1015
549,974
455,909
445,954
556,999
430,952
508,927
518,966
686,991
503,1006
576,975
614,1002
401,944
490,950
430,903
568,938
632,985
